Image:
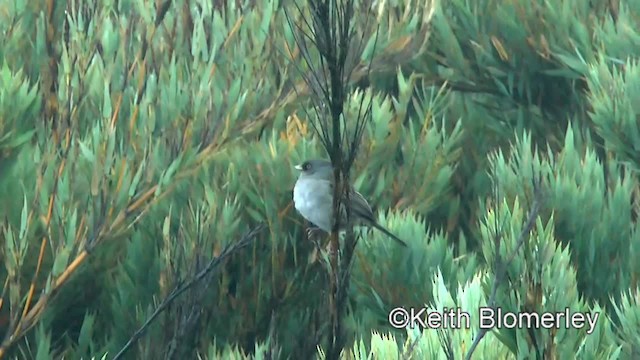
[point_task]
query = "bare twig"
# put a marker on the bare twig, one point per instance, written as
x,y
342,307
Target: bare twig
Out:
x,y
406,355
181,288
500,266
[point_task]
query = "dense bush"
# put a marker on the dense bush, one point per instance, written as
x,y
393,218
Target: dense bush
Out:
x,y
139,140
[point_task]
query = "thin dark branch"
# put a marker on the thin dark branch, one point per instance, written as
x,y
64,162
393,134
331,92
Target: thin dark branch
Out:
x,y
181,288
322,91
445,340
500,267
407,354
316,85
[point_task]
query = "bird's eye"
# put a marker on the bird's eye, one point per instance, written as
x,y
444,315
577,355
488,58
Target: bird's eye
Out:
x,y
306,166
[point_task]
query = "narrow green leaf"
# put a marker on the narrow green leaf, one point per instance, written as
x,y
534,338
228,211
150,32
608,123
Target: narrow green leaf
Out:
x,y
86,334
136,179
106,104
86,152
254,214
23,218
10,246
43,340
166,225
61,262
20,139
72,222
168,175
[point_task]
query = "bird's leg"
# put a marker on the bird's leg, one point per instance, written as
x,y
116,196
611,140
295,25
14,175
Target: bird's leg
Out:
x,y
312,232
313,235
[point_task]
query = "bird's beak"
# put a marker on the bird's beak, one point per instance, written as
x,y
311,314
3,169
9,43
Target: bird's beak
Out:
x,y
298,167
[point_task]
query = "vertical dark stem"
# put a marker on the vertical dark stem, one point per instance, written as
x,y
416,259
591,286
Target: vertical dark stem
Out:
x,y
329,28
50,75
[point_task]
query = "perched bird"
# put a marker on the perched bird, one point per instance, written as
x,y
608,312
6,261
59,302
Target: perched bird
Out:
x,y
313,199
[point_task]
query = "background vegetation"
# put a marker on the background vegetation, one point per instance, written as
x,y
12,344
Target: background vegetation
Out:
x,y
145,144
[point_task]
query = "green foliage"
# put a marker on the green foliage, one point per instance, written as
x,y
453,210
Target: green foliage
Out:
x,y
615,99
577,193
138,140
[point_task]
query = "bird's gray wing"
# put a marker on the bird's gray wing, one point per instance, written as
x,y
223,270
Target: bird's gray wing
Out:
x,y
359,205
360,208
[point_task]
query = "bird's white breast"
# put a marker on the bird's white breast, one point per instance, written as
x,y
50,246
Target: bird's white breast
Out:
x,y
313,199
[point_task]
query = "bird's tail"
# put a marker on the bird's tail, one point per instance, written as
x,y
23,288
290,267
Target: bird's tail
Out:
x,y
388,233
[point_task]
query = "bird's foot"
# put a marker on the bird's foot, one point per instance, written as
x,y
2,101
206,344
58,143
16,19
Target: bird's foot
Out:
x,y
313,233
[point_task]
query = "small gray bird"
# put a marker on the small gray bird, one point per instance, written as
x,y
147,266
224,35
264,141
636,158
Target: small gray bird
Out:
x,y
313,198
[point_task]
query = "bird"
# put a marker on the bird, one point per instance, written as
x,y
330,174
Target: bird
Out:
x,y
313,199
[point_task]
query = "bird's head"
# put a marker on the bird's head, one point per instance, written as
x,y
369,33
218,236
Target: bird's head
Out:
x,y
316,168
